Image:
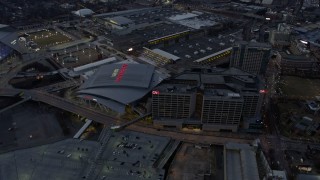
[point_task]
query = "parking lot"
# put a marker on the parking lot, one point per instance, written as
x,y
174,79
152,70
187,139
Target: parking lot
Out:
x,y
10,62
61,160
28,123
78,56
131,155
128,155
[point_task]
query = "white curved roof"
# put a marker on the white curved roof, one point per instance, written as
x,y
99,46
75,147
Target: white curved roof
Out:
x,y
83,12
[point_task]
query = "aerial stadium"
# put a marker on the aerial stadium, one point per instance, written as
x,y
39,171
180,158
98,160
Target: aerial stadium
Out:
x,y
9,42
118,85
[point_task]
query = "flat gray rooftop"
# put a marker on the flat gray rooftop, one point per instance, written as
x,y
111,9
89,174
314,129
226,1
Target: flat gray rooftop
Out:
x,y
202,46
131,155
137,37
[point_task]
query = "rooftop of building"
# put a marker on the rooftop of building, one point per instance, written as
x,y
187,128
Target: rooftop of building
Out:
x,y
131,155
124,75
253,44
120,20
175,88
138,36
198,48
215,82
222,93
10,38
116,85
197,20
307,177
286,55
241,162
144,15
217,75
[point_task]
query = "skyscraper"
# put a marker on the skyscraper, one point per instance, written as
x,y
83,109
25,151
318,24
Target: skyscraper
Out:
x,y
251,57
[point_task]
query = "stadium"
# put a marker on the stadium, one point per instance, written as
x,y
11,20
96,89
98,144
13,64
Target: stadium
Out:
x,y
9,42
118,85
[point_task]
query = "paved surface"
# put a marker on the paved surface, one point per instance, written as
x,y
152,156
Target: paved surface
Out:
x,y
191,163
194,138
70,159
18,123
15,104
45,162
131,155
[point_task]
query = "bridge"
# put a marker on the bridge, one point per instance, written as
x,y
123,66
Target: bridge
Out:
x,y
61,103
124,125
60,86
32,74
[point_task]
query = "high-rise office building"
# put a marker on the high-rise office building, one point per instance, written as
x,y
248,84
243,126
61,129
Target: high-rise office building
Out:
x,y
213,99
221,109
173,102
251,57
252,102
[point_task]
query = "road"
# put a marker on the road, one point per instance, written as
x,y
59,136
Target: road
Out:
x,y
182,136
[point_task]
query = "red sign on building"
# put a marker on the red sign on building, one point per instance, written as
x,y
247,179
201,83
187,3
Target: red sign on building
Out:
x,y
121,72
156,92
263,91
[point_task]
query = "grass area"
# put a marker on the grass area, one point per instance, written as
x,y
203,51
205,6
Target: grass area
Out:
x,y
300,87
47,38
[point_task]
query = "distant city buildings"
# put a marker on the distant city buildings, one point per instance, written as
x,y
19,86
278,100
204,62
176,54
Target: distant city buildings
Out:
x,y
293,63
280,36
251,57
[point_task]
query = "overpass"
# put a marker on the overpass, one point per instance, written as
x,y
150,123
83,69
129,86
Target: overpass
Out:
x,y
61,103
59,86
126,124
32,74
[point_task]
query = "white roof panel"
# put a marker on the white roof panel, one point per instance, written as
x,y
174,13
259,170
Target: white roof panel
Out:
x,y
166,54
179,17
